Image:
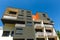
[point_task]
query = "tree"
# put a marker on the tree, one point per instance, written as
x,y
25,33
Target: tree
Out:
x,y
58,33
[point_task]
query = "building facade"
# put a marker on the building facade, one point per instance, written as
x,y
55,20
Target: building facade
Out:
x,y
20,24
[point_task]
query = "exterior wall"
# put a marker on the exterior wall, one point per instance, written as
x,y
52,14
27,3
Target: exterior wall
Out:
x,y
8,27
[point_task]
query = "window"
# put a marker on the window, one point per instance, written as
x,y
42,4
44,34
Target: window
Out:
x,y
22,10
29,23
37,22
51,39
48,30
20,17
48,18
28,11
20,14
19,31
28,16
38,30
44,15
12,33
30,39
6,33
20,22
40,39
18,39
12,12
47,24
51,21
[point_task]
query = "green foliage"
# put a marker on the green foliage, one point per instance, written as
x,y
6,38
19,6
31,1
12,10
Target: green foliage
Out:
x,y
58,33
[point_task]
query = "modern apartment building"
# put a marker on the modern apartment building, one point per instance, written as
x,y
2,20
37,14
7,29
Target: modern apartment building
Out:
x,y
22,25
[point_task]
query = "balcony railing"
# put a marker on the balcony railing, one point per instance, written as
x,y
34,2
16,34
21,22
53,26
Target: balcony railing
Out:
x,y
48,25
49,34
39,34
38,25
19,25
9,17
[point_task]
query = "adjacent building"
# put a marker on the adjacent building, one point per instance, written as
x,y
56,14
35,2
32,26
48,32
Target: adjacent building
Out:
x,y
22,25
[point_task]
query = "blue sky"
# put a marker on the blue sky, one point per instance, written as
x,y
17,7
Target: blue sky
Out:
x,y
52,7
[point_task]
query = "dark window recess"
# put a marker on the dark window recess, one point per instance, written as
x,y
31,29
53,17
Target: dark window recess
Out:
x,y
47,23
19,31
29,24
37,22
12,12
30,39
20,17
29,19
48,30
28,16
51,39
20,14
38,30
44,15
22,10
51,21
6,33
48,18
28,11
18,39
21,22
12,33
40,39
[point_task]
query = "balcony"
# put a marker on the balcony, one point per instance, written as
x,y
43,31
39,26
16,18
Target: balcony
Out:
x,y
39,34
48,25
38,25
19,25
10,17
51,34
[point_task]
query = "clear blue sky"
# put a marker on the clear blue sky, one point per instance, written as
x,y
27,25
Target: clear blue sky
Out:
x,y
52,7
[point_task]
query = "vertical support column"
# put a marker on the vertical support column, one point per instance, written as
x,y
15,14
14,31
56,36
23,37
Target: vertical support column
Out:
x,y
42,23
46,38
10,34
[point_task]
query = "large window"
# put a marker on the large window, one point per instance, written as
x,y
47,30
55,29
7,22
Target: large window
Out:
x,y
6,33
12,12
19,31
